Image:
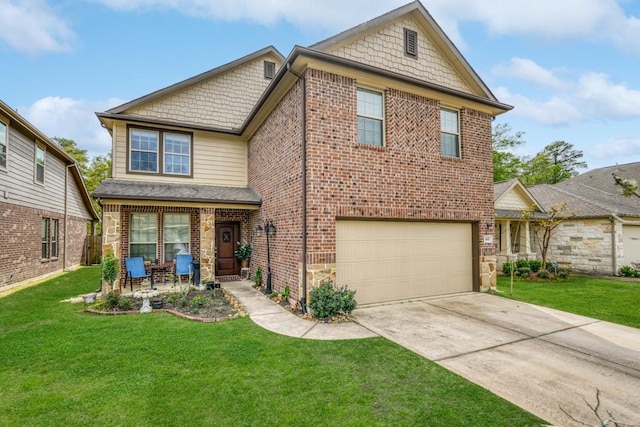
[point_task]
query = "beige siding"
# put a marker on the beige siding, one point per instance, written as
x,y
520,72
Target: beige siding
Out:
x,y
216,160
384,48
386,260
222,101
512,200
631,238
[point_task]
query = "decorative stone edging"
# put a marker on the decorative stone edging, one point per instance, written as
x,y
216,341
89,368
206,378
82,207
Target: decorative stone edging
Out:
x,y
167,310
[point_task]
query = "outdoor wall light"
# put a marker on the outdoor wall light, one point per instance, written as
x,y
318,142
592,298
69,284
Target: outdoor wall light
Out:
x,y
489,226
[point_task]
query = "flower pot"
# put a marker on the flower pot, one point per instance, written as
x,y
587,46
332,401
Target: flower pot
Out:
x,y
89,298
157,304
244,263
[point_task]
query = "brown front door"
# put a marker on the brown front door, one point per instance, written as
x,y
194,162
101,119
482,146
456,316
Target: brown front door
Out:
x,y
227,235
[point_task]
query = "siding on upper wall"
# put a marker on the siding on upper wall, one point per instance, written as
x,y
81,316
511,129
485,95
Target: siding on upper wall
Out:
x,y
217,160
18,179
511,200
222,101
384,48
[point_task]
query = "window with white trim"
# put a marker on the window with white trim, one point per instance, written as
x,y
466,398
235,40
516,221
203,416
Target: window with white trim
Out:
x,y
143,235
40,160
143,151
449,133
49,238
44,233
4,141
370,117
176,235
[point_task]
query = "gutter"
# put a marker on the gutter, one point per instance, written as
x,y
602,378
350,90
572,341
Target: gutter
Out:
x,y
303,297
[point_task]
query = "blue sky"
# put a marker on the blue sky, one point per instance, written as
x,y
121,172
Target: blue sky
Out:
x,y
569,67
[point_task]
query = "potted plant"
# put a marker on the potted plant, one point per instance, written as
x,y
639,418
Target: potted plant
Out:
x,y
110,269
243,253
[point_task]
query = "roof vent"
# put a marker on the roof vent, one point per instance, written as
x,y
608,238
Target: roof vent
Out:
x,y
269,70
410,43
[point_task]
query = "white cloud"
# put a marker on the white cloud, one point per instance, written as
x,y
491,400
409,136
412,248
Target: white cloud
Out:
x,y
528,70
553,111
32,27
72,119
606,99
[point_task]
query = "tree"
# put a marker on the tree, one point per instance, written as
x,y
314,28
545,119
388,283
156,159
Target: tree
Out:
x,y
628,187
99,170
79,154
545,228
506,165
565,161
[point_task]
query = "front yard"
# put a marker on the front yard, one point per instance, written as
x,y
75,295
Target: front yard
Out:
x,y
61,366
613,300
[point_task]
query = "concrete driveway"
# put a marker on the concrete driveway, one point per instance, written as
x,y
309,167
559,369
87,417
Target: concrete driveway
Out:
x,y
536,357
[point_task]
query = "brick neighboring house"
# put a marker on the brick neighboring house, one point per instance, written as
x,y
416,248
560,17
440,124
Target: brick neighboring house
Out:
x,y
601,235
370,152
44,205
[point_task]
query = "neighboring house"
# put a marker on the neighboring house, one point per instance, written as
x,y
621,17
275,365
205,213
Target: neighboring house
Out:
x,y
44,205
602,232
370,152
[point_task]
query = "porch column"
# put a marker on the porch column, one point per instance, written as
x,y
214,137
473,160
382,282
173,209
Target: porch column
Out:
x,y
508,237
207,244
527,239
111,238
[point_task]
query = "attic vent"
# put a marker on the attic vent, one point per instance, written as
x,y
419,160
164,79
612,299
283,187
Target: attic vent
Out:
x,y
269,69
410,43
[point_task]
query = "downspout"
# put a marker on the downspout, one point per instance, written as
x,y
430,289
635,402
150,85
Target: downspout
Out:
x,y
66,206
303,297
614,249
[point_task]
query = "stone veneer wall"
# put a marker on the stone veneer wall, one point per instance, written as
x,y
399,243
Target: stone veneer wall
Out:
x,y
207,244
111,238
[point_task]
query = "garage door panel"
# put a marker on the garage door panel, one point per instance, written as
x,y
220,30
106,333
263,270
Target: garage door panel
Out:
x,y
385,260
631,242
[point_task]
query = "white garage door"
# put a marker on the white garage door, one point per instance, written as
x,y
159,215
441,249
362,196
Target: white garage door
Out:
x,y
392,260
631,242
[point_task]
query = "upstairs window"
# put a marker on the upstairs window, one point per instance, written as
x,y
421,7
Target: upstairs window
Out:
x,y
449,133
40,160
269,70
4,141
370,117
144,151
160,152
410,43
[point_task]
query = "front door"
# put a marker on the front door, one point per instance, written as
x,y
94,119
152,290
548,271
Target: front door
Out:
x,y
227,235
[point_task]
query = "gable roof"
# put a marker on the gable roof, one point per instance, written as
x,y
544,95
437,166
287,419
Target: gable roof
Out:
x,y
593,193
502,190
55,149
432,29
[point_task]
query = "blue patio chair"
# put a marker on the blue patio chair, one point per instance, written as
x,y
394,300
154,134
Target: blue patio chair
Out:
x,y
184,267
135,269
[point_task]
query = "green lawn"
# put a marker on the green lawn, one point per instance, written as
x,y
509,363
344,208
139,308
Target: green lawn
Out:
x,y
61,366
601,298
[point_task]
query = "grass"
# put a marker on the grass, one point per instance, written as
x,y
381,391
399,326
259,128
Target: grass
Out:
x,y
607,299
61,366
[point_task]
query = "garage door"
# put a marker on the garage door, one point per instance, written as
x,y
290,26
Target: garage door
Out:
x,y
631,242
387,261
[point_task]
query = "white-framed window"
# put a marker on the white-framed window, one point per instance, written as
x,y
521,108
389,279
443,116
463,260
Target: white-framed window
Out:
x,y
53,238
49,238
40,160
44,233
176,235
370,117
143,151
177,153
143,236
4,142
449,132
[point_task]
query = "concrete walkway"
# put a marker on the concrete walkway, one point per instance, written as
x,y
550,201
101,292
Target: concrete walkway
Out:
x,y
271,316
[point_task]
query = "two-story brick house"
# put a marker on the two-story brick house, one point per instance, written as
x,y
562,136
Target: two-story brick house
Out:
x,y
370,152
44,206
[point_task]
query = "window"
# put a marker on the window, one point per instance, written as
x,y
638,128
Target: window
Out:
x,y
53,238
410,43
144,150
269,70
450,134
40,161
143,235
177,156
4,139
176,235
44,232
155,152
370,117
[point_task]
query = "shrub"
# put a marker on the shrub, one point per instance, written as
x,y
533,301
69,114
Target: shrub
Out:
x,y
172,298
286,293
535,265
563,275
326,301
110,268
522,263
125,304
257,278
549,266
628,271
543,274
112,301
506,268
524,272
198,302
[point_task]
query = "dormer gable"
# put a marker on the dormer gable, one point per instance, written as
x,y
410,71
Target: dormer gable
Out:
x,y
513,196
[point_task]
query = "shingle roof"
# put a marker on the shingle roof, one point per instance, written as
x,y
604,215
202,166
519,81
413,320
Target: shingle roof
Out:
x,y
593,193
140,190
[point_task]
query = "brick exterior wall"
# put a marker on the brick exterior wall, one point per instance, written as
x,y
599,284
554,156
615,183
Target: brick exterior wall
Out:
x,y
405,179
21,243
